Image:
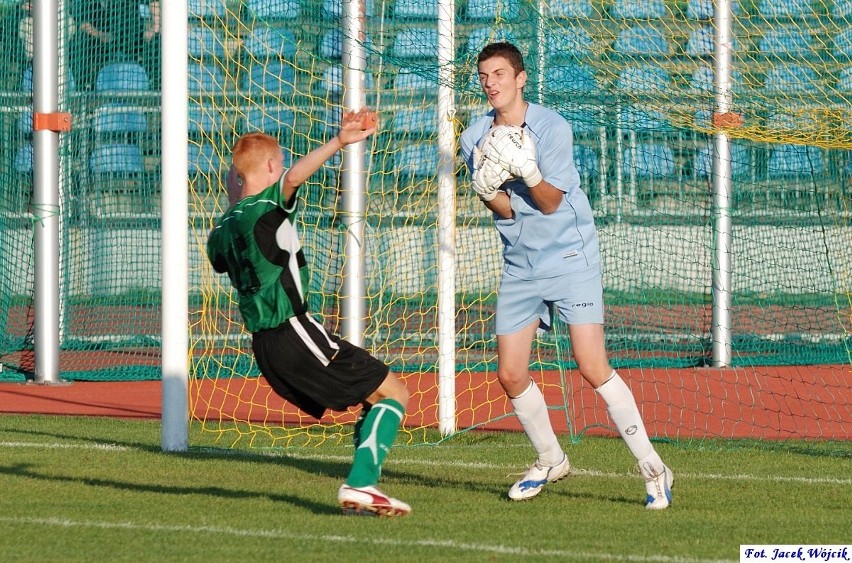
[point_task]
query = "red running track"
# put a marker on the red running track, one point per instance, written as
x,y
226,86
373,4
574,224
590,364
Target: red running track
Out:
x,y
810,402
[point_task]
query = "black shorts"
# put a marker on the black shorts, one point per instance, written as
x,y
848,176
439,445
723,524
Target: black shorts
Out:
x,y
314,369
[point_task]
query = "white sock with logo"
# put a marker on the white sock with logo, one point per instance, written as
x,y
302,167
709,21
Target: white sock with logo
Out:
x,y
532,413
623,411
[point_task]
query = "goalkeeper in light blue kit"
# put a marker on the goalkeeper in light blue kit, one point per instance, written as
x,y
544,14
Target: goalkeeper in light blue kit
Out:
x,y
255,242
520,156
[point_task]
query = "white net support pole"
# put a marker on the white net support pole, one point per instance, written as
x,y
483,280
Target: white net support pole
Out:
x,y
446,220
353,180
722,193
46,192
175,229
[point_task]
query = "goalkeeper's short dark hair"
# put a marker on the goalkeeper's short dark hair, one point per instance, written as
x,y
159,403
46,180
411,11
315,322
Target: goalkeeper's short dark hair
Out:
x,y
503,49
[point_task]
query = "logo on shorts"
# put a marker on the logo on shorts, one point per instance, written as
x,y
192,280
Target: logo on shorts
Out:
x,y
571,254
583,305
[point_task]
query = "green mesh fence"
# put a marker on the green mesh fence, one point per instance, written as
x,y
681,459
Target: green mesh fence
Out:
x,y
634,78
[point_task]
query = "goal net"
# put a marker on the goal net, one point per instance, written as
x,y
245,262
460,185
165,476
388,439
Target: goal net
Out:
x,y
635,79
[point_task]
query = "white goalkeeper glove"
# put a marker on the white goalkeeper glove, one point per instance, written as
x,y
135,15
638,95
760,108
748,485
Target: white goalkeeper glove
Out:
x,y
488,175
512,148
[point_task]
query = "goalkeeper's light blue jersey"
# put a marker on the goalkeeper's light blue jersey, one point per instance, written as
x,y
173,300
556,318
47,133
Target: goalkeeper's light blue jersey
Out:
x,y
536,245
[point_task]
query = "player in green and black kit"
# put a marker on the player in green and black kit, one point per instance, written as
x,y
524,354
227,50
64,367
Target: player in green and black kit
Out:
x,y
255,242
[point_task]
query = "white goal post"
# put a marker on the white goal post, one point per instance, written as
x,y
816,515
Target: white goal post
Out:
x,y
175,190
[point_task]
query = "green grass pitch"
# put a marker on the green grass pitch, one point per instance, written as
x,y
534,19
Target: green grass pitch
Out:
x,y
97,489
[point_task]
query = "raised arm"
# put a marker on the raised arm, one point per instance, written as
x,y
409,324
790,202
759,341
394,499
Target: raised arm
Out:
x,y
355,127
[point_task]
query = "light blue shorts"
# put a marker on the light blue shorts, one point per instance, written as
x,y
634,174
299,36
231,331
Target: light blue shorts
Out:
x,y
577,297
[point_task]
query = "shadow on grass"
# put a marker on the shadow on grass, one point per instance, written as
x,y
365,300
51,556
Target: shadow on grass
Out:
x,y
23,470
300,459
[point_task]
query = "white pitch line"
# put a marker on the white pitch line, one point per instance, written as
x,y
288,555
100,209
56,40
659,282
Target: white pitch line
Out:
x,y
587,472
314,538
447,463
46,445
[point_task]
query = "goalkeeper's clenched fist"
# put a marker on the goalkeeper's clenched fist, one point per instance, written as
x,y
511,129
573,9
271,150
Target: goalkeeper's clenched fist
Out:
x,y
510,147
488,175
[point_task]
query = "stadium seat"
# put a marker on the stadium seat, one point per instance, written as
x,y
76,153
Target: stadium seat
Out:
x,y
270,42
326,122
27,80
415,122
642,120
482,36
572,9
844,80
741,165
203,120
793,119
653,160
794,160
205,79
273,9
785,8
583,118
842,10
331,46
272,119
570,79
273,78
643,79
703,118
703,9
118,183
642,40
570,42
417,159
702,80
23,163
416,43
493,9
639,9
202,43
586,161
206,8
120,118
416,9
843,44
122,77
409,82
787,41
332,81
790,79
25,121
700,42
204,159
123,158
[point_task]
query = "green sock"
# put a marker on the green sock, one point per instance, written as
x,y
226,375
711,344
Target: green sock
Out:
x,y
377,434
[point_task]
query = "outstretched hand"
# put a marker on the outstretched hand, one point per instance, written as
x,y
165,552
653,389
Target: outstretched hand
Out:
x,y
357,126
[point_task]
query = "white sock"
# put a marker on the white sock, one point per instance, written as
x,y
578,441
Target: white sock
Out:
x,y
623,411
532,413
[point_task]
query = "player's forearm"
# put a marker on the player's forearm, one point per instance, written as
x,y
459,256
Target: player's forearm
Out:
x,y
306,166
501,205
546,196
